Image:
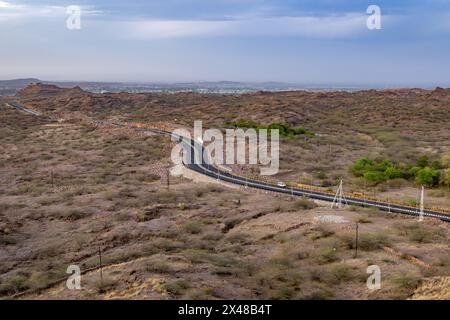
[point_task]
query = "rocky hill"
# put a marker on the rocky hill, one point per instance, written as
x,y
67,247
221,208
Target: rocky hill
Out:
x,y
396,108
46,90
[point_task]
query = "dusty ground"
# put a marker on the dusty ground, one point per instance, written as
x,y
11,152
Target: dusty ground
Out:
x,y
437,288
69,190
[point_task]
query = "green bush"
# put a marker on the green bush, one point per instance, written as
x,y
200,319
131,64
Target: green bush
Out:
x,y
381,171
422,162
393,173
361,166
284,129
375,171
428,176
374,176
446,178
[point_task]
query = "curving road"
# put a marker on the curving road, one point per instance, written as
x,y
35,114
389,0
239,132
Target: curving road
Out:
x,y
203,166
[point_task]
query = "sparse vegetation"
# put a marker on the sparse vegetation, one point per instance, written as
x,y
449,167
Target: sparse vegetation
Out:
x,y
192,227
177,287
366,241
195,240
304,204
285,130
158,267
105,285
417,232
423,173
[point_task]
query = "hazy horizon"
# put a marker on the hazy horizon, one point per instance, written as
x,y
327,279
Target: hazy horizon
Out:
x,y
255,83
300,42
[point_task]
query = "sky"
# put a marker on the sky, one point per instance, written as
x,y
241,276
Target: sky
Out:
x,y
309,42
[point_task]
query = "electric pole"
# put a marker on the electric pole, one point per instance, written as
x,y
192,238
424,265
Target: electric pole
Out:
x,y
167,178
421,204
101,266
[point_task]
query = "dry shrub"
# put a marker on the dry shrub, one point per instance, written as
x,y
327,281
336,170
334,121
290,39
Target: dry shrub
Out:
x,y
177,287
418,232
368,242
322,231
158,267
192,227
105,286
304,204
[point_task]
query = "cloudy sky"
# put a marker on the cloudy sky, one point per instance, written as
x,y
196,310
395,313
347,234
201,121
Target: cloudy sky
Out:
x,y
307,42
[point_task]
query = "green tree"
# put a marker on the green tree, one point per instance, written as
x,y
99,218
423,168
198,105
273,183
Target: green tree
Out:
x,y
428,176
393,173
361,166
445,160
436,165
384,165
422,162
374,176
446,178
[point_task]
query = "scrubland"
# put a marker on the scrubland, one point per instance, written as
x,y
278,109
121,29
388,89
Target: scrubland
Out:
x,y
69,190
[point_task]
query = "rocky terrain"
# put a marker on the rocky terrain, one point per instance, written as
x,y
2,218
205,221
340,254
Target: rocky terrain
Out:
x,y
70,190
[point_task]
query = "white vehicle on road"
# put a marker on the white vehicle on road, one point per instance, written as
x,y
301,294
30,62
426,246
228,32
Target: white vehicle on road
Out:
x,y
281,184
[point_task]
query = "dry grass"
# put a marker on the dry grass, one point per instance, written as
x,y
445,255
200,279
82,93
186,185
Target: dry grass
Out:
x,y
194,240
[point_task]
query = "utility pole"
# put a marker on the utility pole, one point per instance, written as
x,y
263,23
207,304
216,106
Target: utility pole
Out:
x,y
388,200
168,178
101,266
421,204
356,241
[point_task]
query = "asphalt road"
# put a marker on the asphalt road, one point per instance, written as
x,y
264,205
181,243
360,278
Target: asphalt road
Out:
x,y
202,166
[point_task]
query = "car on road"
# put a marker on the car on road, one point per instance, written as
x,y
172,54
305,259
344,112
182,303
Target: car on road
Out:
x,y
281,184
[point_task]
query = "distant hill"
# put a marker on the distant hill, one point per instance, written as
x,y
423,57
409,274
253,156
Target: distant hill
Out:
x,y
10,87
18,83
46,90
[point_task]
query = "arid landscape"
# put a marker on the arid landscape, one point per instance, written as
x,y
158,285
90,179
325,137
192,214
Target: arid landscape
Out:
x,y
72,190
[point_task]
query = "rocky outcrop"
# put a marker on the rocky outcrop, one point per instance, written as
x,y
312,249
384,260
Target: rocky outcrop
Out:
x,y
46,90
